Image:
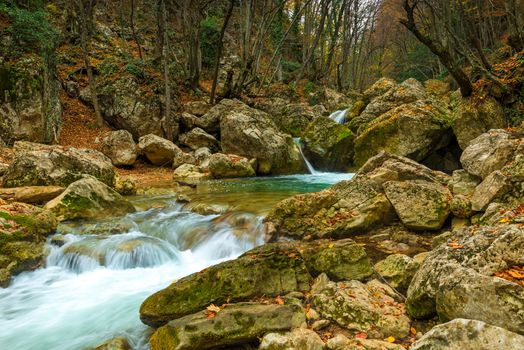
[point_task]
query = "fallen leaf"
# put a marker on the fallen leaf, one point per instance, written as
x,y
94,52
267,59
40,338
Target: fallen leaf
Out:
x,y
279,300
390,339
361,335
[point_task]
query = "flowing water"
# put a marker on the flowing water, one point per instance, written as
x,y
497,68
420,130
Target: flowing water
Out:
x,y
339,116
94,282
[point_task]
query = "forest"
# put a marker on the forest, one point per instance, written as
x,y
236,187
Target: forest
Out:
x,y
262,174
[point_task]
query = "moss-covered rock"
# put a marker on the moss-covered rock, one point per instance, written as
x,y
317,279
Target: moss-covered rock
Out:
x,y
265,271
234,324
398,270
229,165
298,339
420,205
328,145
412,130
23,229
88,198
373,308
41,165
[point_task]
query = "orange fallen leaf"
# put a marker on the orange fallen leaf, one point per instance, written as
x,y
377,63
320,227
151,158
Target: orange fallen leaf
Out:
x,y
279,300
361,335
455,245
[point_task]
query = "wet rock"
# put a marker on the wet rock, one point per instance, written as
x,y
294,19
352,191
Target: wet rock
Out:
x,y
88,198
462,334
120,147
397,270
234,324
413,130
30,194
42,165
223,166
298,339
251,133
118,343
490,151
474,117
265,271
158,150
420,205
328,145
341,342
197,138
456,280
372,307
23,229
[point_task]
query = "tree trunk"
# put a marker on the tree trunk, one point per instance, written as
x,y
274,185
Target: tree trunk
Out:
x,y
133,29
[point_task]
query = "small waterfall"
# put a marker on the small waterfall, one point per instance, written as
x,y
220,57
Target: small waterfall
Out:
x,y
339,116
308,164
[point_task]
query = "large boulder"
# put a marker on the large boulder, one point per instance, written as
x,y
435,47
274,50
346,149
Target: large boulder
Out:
x,y
189,173
412,130
491,151
120,147
328,145
420,205
373,307
407,92
36,165
23,230
294,118
197,138
125,105
223,166
158,150
234,324
251,133
30,194
475,116
30,107
458,278
380,87
88,198
197,108
265,271
349,207
461,334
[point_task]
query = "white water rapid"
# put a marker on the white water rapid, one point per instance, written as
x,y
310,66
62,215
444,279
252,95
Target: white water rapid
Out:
x,y
92,285
339,116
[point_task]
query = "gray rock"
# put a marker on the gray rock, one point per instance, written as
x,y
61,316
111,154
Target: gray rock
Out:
x,y
183,158
461,334
420,205
341,342
298,339
158,150
198,138
456,280
234,324
42,165
463,183
494,185
197,108
223,166
490,151
120,147
397,270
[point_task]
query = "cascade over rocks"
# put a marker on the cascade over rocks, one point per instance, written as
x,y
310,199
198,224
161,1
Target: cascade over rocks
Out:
x,y
234,324
23,229
460,334
328,145
457,280
42,165
158,150
88,198
251,133
120,147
